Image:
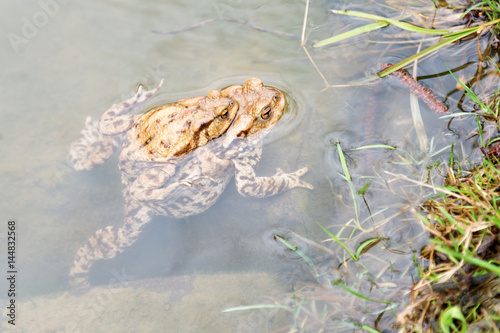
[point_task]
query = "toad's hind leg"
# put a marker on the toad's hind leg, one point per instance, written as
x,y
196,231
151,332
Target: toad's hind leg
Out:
x,y
92,148
108,242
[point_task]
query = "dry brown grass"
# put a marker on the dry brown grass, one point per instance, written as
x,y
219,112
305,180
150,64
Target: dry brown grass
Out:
x,y
465,220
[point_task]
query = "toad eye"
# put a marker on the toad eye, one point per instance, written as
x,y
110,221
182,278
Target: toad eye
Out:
x,y
224,114
266,113
275,98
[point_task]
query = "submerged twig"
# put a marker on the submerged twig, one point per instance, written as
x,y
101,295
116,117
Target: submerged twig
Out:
x,y
424,94
227,19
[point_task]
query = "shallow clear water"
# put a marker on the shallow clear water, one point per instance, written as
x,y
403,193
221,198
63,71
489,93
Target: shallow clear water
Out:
x,y
64,61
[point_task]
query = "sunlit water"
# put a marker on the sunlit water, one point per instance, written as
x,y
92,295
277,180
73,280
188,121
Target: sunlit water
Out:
x,y
66,61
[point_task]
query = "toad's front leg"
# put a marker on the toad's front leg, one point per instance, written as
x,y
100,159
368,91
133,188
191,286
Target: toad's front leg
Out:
x,y
119,117
98,141
250,185
106,243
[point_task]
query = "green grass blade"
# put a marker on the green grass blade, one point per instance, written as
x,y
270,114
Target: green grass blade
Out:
x,y
403,25
338,241
353,192
414,28
359,14
475,261
451,219
471,8
452,156
423,53
352,33
257,307
366,245
337,283
480,130
299,252
458,114
446,321
375,146
460,32
343,162
469,30
473,29
363,190
374,214
470,93
369,329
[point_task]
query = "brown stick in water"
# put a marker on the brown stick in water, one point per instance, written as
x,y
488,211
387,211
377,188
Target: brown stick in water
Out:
x,y
423,94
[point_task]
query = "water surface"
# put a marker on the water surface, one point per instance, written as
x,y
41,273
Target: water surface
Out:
x,y
64,61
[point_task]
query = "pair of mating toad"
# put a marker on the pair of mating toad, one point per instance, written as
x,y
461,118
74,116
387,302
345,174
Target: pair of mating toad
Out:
x,y
170,165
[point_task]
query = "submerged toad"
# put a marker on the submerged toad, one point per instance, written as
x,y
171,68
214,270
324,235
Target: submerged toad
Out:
x,y
155,186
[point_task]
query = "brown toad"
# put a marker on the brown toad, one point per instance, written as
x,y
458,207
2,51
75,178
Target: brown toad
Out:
x,y
159,135
188,188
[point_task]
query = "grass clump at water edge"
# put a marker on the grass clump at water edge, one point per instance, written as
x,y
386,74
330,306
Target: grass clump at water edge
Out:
x,y
459,286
